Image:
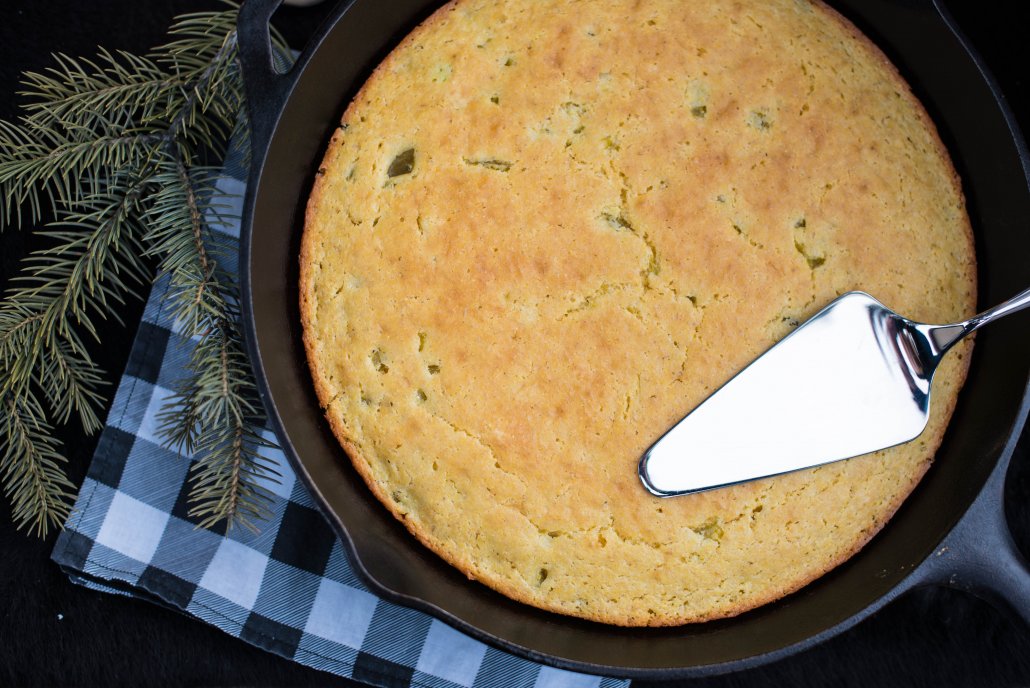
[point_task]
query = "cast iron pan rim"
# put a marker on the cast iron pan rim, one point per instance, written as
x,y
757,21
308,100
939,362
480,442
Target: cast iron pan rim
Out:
x,y
999,97
260,147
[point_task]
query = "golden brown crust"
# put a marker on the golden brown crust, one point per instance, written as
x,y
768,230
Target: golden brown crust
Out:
x,y
499,330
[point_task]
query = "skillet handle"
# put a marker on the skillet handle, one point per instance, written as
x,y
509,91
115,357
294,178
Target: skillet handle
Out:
x,y
980,556
266,87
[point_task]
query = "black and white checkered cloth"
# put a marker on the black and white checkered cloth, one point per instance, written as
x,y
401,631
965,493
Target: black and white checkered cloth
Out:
x,y
287,588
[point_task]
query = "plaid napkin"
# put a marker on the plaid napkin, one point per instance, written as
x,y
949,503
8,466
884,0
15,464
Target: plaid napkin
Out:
x,y
288,588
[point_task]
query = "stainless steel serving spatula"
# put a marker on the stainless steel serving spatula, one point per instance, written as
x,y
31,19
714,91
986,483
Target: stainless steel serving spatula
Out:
x,y
853,379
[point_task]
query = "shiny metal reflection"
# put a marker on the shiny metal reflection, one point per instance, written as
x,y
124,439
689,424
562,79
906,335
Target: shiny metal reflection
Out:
x,y
853,379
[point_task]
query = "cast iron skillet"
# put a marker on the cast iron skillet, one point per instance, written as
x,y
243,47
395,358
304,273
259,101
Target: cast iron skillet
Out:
x,y
951,531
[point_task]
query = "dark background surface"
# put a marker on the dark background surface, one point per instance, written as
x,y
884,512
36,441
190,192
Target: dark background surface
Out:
x,y
55,633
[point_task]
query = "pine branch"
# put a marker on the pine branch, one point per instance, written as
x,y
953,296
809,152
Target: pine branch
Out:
x,y
178,233
30,467
74,91
70,383
214,414
93,264
89,272
189,91
50,164
114,147
215,98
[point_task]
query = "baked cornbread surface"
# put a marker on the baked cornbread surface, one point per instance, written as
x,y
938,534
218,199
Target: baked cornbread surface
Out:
x,y
545,230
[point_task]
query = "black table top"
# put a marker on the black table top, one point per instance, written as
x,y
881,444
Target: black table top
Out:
x,y
55,633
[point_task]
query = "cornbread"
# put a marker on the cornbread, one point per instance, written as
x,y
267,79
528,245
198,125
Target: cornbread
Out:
x,y
545,230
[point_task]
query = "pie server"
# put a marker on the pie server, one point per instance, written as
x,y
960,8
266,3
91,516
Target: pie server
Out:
x,y
853,379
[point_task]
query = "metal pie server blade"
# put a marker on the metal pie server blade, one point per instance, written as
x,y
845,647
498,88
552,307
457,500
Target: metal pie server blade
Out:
x,y
853,379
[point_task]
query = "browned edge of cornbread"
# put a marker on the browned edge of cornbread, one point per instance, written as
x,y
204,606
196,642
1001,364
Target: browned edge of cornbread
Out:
x,y
469,567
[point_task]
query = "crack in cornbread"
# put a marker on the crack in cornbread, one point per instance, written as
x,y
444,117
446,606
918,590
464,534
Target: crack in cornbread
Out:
x,y
545,230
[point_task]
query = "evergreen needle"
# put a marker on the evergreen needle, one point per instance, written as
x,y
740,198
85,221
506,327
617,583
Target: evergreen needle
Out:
x,y
116,150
